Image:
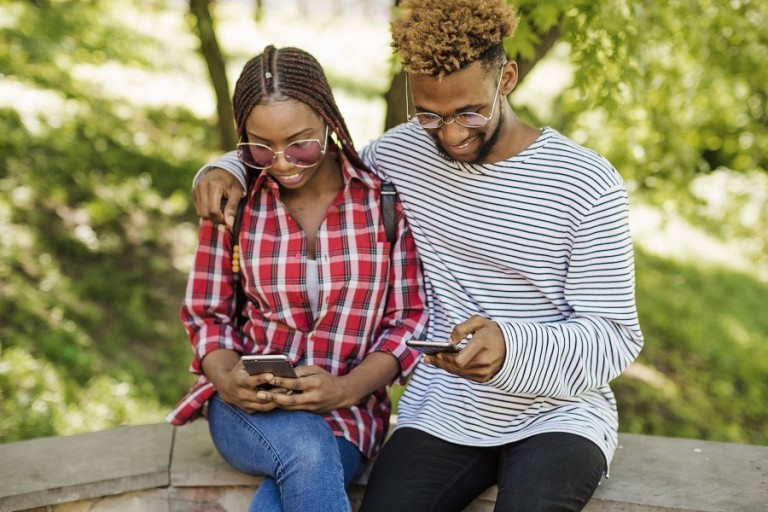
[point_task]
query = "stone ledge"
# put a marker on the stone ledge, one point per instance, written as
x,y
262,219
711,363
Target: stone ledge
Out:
x,y
159,468
54,470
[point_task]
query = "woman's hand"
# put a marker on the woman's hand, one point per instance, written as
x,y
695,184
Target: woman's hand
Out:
x,y
320,391
323,392
242,390
224,369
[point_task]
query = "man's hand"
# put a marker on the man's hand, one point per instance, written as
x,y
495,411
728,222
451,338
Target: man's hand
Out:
x,y
481,358
213,187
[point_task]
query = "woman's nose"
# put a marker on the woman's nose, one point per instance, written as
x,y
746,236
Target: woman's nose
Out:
x,y
280,162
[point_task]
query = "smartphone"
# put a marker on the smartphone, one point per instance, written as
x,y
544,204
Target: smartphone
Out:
x,y
277,364
433,347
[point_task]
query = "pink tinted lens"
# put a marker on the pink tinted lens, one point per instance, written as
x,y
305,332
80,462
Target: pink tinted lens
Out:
x,y
304,153
261,156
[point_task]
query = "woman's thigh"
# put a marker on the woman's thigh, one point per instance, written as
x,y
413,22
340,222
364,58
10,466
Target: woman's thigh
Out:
x,y
265,444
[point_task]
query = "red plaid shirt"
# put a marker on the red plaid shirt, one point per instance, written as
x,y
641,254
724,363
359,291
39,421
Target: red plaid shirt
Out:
x,y
371,296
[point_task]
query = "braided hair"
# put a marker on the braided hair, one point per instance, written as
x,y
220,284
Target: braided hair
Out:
x,y
290,73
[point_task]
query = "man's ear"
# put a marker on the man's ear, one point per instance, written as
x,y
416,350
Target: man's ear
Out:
x,y
509,80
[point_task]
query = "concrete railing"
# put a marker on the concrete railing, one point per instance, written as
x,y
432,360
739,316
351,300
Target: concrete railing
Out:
x,y
159,468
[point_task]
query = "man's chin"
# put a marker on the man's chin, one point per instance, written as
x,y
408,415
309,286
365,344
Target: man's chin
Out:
x,y
474,156
465,157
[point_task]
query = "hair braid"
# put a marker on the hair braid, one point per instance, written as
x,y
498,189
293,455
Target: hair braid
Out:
x,y
295,74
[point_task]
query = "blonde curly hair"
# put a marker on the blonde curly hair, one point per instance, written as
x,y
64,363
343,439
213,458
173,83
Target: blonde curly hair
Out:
x,y
438,37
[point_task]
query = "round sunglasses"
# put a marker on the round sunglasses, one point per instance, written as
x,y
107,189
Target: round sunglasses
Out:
x,y
301,153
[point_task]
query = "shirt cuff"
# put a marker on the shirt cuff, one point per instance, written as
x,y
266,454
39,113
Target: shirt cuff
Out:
x,y
229,162
214,338
406,356
503,380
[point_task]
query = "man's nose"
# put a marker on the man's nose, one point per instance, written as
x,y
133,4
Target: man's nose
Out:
x,y
452,132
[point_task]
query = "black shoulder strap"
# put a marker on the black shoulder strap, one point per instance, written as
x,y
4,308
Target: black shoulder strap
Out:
x,y
236,275
388,193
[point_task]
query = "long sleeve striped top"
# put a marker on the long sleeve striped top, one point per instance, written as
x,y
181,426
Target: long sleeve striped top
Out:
x,y
539,243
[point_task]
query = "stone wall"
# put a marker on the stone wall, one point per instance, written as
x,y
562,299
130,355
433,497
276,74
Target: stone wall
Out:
x,y
159,468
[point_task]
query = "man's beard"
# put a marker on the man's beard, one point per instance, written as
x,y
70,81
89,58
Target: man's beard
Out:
x,y
485,149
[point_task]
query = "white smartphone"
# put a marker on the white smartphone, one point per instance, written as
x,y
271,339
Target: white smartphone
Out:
x,y
433,347
277,364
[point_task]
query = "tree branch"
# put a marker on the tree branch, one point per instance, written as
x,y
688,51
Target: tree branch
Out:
x,y
211,52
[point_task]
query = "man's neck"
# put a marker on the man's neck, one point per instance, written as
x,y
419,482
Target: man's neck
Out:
x,y
515,136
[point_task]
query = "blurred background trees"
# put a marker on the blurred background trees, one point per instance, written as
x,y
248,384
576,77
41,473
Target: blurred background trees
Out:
x,y
107,110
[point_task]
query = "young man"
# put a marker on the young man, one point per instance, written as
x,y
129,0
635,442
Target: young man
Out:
x,y
528,264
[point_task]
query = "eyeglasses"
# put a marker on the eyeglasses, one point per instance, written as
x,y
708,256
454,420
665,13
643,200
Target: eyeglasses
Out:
x,y
301,153
431,121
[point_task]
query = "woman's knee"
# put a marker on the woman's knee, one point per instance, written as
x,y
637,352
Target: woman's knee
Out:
x,y
312,452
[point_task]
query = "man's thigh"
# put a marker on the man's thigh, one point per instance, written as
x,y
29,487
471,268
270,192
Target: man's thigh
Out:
x,y
418,472
548,472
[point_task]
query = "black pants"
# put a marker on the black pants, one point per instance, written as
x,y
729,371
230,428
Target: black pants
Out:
x,y
419,472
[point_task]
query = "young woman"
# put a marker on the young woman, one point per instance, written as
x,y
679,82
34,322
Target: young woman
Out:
x,y
324,287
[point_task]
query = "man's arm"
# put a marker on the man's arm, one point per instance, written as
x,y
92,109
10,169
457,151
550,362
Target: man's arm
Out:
x,y
593,346
223,178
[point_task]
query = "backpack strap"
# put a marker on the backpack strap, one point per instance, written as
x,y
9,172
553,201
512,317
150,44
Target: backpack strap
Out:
x,y
388,194
236,264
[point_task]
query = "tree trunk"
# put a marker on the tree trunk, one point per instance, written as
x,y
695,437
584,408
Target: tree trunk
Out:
x,y
209,48
259,12
546,43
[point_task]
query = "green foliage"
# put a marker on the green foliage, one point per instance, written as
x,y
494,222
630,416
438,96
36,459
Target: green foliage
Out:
x,y
89,221
680,87
97,224
702,369
668,91
43,39
671,93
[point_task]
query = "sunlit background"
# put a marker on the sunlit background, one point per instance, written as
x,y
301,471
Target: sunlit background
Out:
x,y
107,111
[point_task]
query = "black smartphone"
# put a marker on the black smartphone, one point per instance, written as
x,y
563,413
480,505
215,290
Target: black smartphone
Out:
x,y
433,347
277,364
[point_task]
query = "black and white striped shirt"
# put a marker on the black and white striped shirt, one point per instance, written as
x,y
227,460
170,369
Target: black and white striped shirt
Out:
x,y
540,244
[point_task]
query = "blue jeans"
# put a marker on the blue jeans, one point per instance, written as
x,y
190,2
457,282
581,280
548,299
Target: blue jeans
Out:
x,y
305,465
